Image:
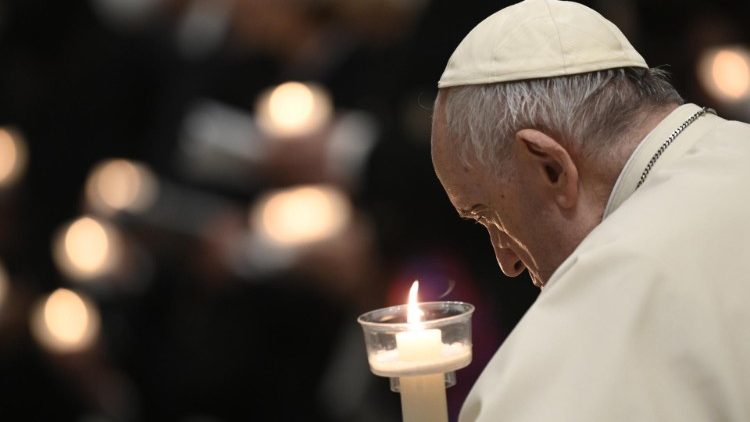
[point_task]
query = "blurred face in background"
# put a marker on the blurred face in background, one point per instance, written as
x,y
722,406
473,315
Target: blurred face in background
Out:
x,y
285,24
271,24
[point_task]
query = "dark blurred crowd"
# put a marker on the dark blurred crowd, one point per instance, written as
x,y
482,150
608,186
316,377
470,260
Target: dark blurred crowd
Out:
x,y
198,323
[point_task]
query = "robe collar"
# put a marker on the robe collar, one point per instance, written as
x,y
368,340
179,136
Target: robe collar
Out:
x,y
631,173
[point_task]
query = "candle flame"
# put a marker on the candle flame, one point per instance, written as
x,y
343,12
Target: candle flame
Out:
x,y
413,313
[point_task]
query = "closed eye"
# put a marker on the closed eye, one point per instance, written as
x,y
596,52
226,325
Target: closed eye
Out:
x,y
479,219
473,213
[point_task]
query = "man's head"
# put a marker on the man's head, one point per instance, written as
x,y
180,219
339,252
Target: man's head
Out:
x,y
534,159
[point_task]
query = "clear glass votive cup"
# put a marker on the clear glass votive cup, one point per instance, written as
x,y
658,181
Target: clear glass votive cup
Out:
x,y
439,343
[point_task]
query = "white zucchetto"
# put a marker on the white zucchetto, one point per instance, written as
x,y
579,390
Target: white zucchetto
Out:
x,y
538,39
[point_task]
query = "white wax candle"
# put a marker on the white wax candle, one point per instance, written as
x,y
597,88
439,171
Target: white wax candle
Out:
x,y
419,345
422,396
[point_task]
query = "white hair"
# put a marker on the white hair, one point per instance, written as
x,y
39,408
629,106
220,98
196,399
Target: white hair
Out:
x,y
588,112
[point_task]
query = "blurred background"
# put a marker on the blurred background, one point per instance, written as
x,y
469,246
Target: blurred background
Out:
x,y
199,197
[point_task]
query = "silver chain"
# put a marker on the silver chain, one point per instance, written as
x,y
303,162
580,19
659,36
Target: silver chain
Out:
x,y
669,141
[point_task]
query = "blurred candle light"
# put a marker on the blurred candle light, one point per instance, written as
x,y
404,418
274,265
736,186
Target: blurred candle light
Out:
x,y
127,13
301,215
725,73
65,322
121,185
13,155
293,109
87,249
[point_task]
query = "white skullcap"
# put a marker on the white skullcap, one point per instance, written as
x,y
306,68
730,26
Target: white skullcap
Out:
x,y
538,39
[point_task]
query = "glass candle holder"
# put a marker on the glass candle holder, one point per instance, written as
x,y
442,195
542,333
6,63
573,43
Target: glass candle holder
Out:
x,y
439,344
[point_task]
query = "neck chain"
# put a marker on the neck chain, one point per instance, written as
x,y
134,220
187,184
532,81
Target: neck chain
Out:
x,y
669,141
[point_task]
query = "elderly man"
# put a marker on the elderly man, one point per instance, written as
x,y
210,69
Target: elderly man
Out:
x,y
630,209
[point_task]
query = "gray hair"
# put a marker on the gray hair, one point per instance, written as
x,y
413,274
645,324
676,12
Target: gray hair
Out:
x,y
588,112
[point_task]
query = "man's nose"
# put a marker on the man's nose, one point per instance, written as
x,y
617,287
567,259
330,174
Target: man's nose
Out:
x,y
509,262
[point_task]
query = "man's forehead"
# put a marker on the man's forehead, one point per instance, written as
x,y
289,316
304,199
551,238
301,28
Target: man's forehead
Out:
x,y
444,145
439,142
444,141
438,116
461,182
450,169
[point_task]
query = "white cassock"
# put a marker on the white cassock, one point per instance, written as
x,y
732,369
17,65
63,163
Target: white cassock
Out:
x,y
649,318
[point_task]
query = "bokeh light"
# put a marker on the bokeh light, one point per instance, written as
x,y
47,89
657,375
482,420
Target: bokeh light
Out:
x,y
293,109
131,13
87,249
13,156
725,73
65,322
121,185
301,215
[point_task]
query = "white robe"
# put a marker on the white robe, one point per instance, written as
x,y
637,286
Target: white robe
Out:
x,y
649,318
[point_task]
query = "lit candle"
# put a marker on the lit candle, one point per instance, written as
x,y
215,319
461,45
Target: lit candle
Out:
x,y
426,348
422,396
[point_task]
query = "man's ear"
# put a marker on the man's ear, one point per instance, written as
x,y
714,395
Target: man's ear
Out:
x,y
550,164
